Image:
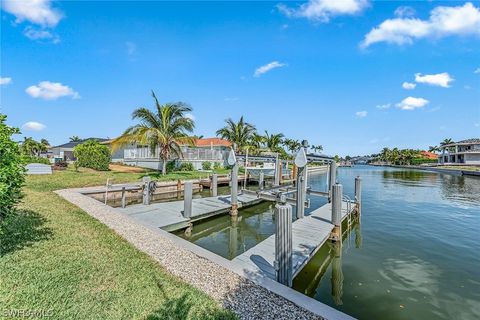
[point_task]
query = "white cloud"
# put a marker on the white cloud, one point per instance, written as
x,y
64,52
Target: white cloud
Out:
x,y
266,68
412,103
361,114
439,79
383,106
190,116
323,10
131,48
39,12
404,11
443,21
35,34
477,70
33,126
408,85
51,90
5,80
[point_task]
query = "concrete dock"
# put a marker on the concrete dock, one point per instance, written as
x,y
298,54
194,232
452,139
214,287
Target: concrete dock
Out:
x,y
168,215
309,234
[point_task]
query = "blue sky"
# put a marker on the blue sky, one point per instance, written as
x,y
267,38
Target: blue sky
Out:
x,y
329,72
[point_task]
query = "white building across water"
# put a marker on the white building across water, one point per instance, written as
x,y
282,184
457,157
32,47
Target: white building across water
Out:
x,y
466,152
214,150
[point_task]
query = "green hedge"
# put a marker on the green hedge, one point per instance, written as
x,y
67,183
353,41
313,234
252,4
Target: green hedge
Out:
x,y
33,159
92,154
12,170
206,165
186,166
423,160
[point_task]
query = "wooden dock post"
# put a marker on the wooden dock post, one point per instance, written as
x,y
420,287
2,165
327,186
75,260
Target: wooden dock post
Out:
x,y
261,180
179,188
337,274
124,200
294,174
187,199
214,185
232,160
301,164
283,243
146,190
277,171
358,195
337,194
332,179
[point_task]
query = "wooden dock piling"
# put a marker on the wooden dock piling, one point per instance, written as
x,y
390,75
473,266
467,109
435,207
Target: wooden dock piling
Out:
x,y
124,200
234,185
358,195
187,199
283,244
261,180
337,194
214,185
332,179
146,190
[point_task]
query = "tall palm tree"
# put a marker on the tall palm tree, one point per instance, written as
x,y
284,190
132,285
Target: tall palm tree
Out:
x,y
273,142
30,147
433,148
164,128
292,145
317,148
446,141
75,139
238,133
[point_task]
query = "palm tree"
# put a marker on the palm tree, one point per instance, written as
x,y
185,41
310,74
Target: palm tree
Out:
x,y
30,147
446,141
292,145
45,142
75,139
317,148
273,142
164,129
433,149
238,133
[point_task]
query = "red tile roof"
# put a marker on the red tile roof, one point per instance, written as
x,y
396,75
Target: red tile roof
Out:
x,y
212,142
429,155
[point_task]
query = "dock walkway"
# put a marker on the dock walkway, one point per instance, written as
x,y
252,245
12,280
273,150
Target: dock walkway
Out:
x,y
168,215
309,234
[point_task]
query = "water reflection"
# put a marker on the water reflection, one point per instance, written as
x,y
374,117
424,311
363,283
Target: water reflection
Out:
x,y
230,236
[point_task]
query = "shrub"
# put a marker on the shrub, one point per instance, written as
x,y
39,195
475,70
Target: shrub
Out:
x,y
217,166
171,166
186,166
62,165
92,154
33,159
206,165
12,170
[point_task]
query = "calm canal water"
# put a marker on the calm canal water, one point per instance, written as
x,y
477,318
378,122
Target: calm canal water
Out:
x,y
415,254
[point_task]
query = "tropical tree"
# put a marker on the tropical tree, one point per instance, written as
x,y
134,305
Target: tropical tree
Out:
x,y
317,148
446,141
292,145
30,147
45,142
75,139
165,128
433,149
273,142
238,133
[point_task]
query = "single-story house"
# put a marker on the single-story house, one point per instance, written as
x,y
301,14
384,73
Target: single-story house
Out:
x,y
65,151
214,150
462,152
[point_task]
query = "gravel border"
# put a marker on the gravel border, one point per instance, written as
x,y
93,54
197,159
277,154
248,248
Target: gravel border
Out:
x,y
245,295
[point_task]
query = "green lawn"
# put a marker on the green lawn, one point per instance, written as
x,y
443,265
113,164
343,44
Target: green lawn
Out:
x,y
55,258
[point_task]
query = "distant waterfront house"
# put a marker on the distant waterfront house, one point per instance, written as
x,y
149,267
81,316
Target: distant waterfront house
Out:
x,y
429,155
207,149
461,152
65,151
